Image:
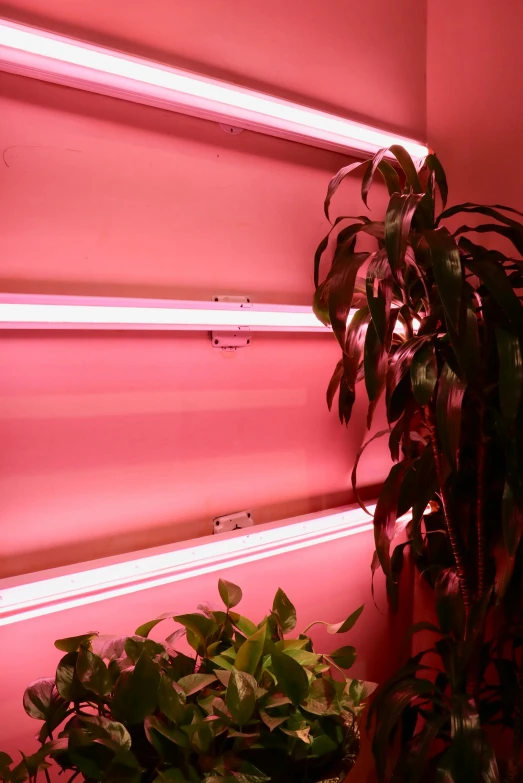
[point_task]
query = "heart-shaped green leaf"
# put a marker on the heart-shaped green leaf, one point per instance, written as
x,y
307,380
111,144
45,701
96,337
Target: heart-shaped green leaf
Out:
x,y
292,677
230,593
240,696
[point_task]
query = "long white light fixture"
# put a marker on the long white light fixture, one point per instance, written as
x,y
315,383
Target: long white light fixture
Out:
x,y
214,553
42,55
26,311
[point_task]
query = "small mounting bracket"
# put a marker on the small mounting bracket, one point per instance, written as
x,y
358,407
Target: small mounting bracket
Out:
x,y
231,130
230,341
236,521
240,337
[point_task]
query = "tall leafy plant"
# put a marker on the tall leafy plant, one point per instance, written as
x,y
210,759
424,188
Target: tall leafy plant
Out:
x,y
437,330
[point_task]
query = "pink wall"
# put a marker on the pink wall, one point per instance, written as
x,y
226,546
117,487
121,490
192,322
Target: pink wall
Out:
x,y
474,84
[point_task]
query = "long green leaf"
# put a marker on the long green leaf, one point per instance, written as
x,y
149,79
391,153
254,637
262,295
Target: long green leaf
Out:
x,y
386,514
398,219
341,281
379,284
510,373
251,651
354,345
240,696
336,182
485,265
434,165
448,413
448,272
424,373
353,478
292,677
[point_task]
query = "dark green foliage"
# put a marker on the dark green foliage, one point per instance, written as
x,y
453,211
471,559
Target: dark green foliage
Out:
x,y
251,706
439,332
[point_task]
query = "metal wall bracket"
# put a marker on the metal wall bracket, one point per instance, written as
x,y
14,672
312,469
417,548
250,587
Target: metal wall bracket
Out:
x,y
239,338
230,341
236,521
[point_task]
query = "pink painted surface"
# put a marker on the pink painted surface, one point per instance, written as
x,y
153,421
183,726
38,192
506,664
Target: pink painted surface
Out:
x,y
474,78
326,582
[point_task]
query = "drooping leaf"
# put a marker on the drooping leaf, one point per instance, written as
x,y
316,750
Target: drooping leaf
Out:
x,y
386,514
424,373
230,594
169,701
485,265
449,603
334,383
340,286
512,515
354,345
375,369
200,626
435,166
240,696
72,643
408,166
292,677
402,361
379,285
398,219
354,477
448,413
146,628
347,624
68,683
284,608
136,692
448,272
510,372
192,683
41,698
344,656
251,651
466,342
270,721
92,672
336,182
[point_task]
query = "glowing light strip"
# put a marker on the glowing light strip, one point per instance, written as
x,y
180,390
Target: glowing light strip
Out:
x,y
214,553
42,55
59,312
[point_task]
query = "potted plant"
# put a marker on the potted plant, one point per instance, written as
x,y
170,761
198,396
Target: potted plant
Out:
x,y
250,704
438,330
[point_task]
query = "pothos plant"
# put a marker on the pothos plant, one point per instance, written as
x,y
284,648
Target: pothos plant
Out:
x,y
250,705
437,329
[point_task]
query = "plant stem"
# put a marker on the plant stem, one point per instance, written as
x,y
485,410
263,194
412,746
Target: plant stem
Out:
x,y
454,539
480,528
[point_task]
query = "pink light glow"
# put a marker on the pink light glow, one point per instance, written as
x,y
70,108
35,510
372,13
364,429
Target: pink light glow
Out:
x,y
214,553
28,311
49,57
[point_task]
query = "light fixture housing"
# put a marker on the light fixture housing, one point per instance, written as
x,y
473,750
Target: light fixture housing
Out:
x,y
27,51
27,311
24,598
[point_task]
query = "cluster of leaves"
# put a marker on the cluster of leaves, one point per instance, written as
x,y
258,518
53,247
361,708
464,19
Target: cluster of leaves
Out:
x,y
251,705
437,328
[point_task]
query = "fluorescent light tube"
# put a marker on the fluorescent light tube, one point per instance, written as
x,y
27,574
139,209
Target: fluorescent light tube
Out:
x,y
36,53
141,571
25,311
